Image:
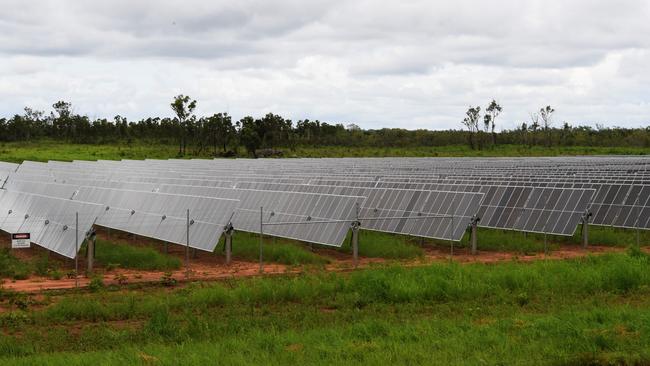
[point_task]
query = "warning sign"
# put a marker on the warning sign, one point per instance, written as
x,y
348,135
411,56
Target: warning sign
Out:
x,y
20,240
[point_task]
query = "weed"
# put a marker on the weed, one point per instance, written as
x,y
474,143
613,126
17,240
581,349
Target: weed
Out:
x,y
112,266
11,267
56,274
96,284
121,279
168,280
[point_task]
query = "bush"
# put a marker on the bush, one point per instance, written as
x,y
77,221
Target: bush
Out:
x,y
96,284
168,280
56,274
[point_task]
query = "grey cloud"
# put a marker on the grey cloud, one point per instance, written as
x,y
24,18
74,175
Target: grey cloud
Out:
x,y
412,64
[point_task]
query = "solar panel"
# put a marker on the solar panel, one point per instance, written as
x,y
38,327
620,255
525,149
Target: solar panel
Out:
x,y
419,213
286,207
50,221
538,195
150,214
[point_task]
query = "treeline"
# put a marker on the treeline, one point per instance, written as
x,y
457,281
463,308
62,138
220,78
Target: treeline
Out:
x,y
220,135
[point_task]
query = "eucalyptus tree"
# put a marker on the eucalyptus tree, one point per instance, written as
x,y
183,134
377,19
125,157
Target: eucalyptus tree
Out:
x,y
546,114
183,106
471,121
491,113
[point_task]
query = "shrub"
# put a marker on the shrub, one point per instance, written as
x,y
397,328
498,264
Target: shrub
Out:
x,y
168,280
96,284
121,279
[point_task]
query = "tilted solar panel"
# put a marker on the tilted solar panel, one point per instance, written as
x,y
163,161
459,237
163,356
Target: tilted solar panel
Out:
x,y
413,212
50,221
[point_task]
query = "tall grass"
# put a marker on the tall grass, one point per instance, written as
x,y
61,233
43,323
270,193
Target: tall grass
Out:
x,y
12,267
611,236
246,246
440,282
375,244
592,310
127,256
44,150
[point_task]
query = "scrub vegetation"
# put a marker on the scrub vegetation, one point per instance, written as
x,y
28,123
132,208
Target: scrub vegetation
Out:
x,y
593,310
47,149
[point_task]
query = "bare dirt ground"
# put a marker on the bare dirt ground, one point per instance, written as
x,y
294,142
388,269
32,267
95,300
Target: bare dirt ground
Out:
x,y
207,266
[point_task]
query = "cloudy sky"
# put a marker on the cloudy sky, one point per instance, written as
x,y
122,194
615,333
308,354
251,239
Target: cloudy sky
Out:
x,y
408,64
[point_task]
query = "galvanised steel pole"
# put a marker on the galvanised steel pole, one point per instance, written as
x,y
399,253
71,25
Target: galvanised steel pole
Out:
x,y
261,239
76,250
451,236
187,244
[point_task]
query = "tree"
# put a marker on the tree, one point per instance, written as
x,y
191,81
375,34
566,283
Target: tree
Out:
x,y
534,125
566,133
491,113
546,114
61,122
524,133
248,135
221,130
183,106
471,122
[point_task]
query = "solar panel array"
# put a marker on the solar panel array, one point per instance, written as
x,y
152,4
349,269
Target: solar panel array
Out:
x,y
50,221
433,214
429,197
150,214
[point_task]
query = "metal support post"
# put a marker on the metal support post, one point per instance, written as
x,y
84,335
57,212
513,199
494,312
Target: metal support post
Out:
x,y
187,244
355,244
261,239
545,244
585,229
228,244
355,236
473,235
451,237
91,252
76,250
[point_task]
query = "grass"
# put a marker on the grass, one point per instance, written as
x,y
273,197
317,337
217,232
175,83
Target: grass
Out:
x,y
246,246
12,267
45,150
116,253
459,150
374,244
594,310
17,269
504,241
605,235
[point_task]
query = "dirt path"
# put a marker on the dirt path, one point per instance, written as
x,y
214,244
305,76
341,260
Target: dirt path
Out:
x,y
210,267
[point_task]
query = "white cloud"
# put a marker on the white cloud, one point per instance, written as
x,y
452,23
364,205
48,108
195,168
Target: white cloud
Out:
x,y
410,64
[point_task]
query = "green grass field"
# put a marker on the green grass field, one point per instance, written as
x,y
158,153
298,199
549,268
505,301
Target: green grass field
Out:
x,y
590,311
52,150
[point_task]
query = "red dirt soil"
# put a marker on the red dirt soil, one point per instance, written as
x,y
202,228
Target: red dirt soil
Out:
x,y
206,266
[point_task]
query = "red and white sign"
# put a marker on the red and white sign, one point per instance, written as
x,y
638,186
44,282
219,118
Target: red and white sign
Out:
x,y
20,240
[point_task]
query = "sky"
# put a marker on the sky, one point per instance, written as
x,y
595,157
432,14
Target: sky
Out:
x,y
398,64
